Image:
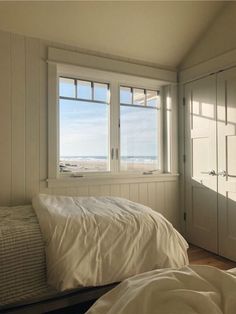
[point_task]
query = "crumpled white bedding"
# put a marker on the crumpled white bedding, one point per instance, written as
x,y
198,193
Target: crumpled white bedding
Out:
x,y
188,290
93,241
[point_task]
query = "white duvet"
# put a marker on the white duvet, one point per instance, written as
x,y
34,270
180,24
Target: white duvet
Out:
x,y
189,290
92,241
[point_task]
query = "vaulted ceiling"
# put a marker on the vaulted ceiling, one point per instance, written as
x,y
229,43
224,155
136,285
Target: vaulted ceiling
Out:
x,y
155,32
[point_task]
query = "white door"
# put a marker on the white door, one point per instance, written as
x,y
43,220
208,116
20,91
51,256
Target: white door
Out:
x,y
201,163
226,113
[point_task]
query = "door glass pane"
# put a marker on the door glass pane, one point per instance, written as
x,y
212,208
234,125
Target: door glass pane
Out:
x,y
139,138
66,87
84,136
84,89
125,95
101,92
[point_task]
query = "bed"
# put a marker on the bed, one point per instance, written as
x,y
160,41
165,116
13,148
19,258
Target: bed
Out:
x,y
187,290
67,246
23,280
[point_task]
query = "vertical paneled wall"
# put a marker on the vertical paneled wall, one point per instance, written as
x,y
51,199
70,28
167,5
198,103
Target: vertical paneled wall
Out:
x,y
161,196
23,134
18,119
23,82
5,118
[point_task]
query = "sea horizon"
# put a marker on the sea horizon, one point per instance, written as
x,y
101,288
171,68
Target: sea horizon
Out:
x,y
100,163
105,157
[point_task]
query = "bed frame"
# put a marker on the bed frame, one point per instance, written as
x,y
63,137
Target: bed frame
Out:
x,y
59,302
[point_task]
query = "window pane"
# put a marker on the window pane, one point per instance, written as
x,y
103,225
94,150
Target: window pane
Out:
x,y
84,136
84,90
101,92
67,87
125,95
153,99
139,97
139,139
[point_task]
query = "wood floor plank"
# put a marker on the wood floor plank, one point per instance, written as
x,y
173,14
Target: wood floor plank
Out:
x,y
198,256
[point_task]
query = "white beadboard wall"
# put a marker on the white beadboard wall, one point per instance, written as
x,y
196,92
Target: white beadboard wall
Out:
x,y
23,134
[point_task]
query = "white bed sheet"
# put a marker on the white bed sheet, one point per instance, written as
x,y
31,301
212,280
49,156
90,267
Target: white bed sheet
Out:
x,y
93,241
188,290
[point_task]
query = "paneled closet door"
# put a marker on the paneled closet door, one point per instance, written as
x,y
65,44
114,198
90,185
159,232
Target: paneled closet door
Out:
x,y
201,163
226,113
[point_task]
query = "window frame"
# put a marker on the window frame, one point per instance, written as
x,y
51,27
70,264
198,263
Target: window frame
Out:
x,y
115,81
110,139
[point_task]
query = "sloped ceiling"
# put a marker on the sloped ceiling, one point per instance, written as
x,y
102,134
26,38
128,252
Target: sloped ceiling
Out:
x,y
159,33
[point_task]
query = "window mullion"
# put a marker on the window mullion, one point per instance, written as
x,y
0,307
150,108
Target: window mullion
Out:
x,y
161,133
114,126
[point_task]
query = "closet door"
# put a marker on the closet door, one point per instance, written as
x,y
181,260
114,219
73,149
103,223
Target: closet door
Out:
x,y
201,163
226,113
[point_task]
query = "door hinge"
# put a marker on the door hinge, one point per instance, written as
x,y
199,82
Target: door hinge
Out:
x,y
184,101
185,216
184,158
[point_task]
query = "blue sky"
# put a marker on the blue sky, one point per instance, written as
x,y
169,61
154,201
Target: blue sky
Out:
x,y
84,128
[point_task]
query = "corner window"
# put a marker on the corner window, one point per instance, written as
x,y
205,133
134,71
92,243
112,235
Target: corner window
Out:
x,y
103,123
95,139
85,131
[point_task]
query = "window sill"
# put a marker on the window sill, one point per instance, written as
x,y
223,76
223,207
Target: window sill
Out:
x,y
98,179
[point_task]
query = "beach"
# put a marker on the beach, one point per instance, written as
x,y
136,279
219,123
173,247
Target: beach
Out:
x,y
99,164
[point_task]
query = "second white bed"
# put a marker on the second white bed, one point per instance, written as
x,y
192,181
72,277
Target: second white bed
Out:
x,y
188,290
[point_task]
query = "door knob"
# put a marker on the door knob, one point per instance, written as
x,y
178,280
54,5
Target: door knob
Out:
x,y
222,173
210,173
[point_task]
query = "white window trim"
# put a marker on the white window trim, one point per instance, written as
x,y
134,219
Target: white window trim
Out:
x,y
115,80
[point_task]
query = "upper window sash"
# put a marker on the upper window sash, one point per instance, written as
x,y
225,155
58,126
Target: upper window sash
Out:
x,y
133,96
80,87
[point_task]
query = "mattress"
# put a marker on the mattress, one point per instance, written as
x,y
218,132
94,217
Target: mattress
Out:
x,y
22,256
23,278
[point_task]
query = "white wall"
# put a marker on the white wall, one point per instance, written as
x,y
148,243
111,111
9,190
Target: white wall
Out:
x,y
218,39
23,135
154,32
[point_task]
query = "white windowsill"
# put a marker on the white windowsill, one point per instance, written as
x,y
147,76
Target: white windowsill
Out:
x,y
98,179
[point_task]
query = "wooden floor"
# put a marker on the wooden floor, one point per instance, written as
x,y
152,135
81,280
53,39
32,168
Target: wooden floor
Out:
x,y
199,256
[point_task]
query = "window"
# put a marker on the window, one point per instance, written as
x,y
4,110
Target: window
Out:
x,y
83,126
100,132
104,124
139,129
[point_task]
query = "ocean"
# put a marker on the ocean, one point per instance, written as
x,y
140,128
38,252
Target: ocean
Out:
x,y
128,159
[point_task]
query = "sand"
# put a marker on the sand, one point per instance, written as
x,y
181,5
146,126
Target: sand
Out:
x,y
102,166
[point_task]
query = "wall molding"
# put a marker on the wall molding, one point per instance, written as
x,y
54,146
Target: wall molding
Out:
x,y
112,179
214,65
106,64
